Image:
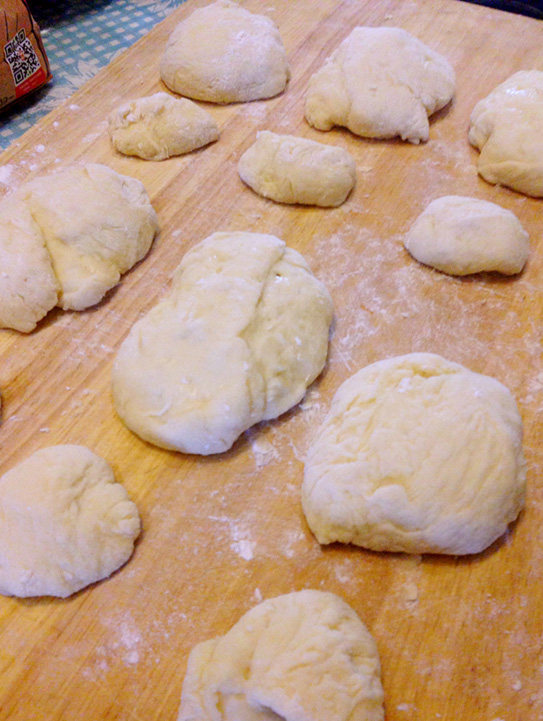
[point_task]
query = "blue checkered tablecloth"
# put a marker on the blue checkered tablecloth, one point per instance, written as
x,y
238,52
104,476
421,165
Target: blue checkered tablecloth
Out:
x,y
80,37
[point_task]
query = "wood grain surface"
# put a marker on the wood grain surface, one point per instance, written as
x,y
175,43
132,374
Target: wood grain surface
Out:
x,y
459,638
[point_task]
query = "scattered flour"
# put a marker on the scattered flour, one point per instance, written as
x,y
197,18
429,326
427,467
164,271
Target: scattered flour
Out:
x,y
124,642
241,542
254,111
290,541
6,172
263,451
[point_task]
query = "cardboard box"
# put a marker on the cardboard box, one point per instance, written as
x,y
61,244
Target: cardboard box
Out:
x,y
24,66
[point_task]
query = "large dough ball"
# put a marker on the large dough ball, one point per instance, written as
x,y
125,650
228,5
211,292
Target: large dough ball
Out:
x,y
288,169
64,523
417,454
242,333
380,83
506,127
222,53
28,285
304,656
459,236
96,224
66,239
159,126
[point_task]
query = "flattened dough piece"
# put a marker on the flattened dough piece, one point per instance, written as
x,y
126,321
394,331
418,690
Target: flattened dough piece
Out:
x,y
28,285
159,126
222,53
96,225
242,333
64,523
506,127
380,83
288,169
304,656
416,454
460,235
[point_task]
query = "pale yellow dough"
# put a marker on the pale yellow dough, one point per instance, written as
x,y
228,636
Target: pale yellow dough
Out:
x,y
304,656
64,523
160,126
288,169
380,82
222,53
506,126
417,454
28,285
96,225
67,238
460,235
241,335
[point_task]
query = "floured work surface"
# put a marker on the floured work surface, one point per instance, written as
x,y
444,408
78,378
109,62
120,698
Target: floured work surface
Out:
x,y
457,638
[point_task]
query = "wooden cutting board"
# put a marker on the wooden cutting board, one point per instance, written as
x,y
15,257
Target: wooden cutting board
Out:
x,y
459,638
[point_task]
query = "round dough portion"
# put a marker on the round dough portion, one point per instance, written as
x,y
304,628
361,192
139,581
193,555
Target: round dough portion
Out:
x,y
459,236
506,127
417,454
159,126
95,223
240,336
380,83
304,656
28,285
64,523
222,53
288,169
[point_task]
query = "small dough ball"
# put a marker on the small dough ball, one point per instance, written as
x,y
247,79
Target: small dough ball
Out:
x,y
64,523
241,335
304,656
380,83
222,53
159,126
506,127
28,285
96,225
460,236
417,454
288,169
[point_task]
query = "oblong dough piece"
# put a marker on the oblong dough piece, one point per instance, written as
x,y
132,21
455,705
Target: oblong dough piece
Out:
x,y
417,454
303,655
222,53
159,126
460,235
380,83
288,169
96,224
28,285
242,333
506,127
64,523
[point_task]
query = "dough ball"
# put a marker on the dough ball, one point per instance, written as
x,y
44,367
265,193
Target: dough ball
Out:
x,y
64,523
222,53
506,127
242,333
159,126
417,454
380,83
295,170
303,656
96,224
460,236
28,285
